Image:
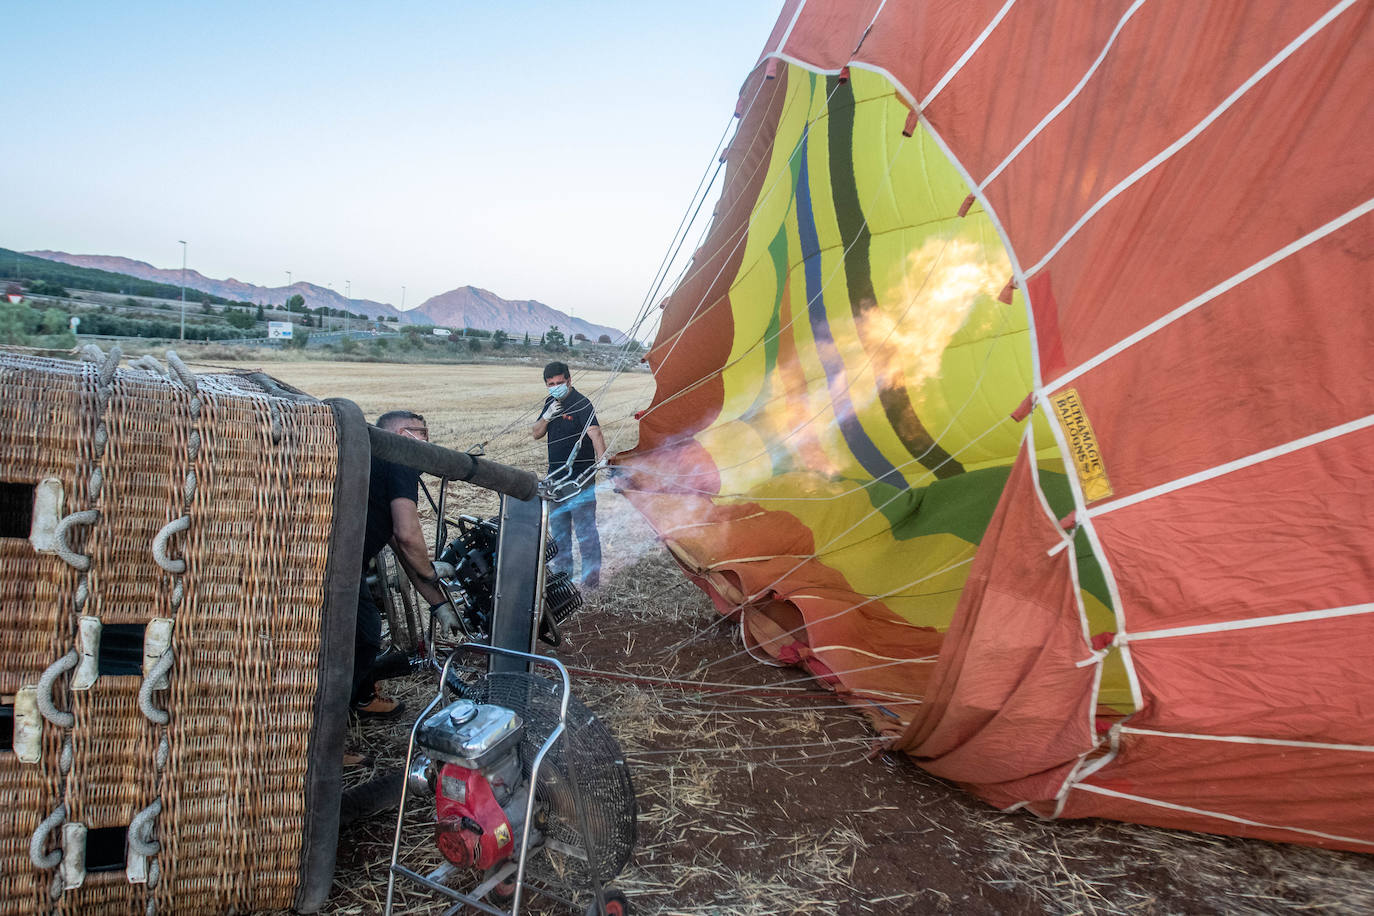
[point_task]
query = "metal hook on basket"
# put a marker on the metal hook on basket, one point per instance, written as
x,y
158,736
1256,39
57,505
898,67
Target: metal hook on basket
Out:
x,y
175,526
40,839
145,692
59,717
59,535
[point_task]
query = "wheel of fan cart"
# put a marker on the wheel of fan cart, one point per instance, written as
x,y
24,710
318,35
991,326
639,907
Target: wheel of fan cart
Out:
x,y
616,904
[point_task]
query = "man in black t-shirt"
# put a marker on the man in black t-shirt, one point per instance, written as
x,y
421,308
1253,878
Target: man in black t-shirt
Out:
x,y
393,518
569,420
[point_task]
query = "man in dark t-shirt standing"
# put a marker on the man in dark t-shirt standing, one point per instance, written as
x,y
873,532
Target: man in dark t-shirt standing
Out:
x,y
393,518
569,420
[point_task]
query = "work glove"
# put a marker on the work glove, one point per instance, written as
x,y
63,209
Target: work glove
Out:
x,y
445,619
554,409
442,570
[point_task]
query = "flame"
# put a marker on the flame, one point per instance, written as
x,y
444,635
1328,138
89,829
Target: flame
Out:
x,y
792,422
930,302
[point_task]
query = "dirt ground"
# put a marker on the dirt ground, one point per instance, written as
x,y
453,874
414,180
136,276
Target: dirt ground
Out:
x,y
760,805
762,796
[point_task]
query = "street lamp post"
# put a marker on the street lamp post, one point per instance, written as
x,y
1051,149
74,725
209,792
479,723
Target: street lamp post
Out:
x,y
348,306
183,288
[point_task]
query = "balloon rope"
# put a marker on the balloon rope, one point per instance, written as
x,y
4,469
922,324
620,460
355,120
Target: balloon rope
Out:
x,y
831,742
716,708
742,233
765,339
693,207
785,763
973,390
805,133
674,246
821,551
713,688
674,250
828,405
849,610
829,545
915,460
689,272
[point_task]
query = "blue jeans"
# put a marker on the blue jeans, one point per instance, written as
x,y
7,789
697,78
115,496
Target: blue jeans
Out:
x,y
577,513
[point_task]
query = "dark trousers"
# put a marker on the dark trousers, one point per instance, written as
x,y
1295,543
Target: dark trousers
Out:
x,y
367,642
578,513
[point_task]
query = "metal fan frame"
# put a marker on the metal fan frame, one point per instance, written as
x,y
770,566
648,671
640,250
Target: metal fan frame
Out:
x,y
560,733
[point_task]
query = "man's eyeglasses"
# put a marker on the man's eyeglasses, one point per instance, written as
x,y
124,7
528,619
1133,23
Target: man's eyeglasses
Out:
x,y
420,431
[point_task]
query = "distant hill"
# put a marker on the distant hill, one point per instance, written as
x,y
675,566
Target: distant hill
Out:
x,y
471,307
466,306
15,265
231,289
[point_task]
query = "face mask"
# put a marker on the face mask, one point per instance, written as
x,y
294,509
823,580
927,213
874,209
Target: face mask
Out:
x,y
558,391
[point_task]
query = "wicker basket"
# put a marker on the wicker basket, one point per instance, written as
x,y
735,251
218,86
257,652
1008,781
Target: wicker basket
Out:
x,y
246,766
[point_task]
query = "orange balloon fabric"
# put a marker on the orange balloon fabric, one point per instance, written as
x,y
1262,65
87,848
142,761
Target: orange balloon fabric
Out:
x,y
1185,195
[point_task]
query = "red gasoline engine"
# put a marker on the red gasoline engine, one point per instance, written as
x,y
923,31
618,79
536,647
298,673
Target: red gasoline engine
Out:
x,y
474,770
513,748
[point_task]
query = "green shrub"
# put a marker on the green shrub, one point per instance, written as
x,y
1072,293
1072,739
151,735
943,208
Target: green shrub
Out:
x,y
53,321
16,322
554,341
64,341
48,288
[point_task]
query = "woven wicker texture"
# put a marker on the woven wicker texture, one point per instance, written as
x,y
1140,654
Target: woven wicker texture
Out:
x,y
44,422
112,774
245,637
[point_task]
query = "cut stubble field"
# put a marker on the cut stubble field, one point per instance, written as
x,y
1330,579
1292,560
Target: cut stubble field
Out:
x,y
467,404
752,805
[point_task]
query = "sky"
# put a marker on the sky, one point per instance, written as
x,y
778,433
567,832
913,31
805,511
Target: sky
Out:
x,y
538,150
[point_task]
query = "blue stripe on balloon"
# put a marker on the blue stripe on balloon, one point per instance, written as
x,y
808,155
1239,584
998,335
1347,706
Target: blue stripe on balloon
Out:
x,y
870,458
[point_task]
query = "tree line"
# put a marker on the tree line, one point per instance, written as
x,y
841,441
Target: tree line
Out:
x,y
15,265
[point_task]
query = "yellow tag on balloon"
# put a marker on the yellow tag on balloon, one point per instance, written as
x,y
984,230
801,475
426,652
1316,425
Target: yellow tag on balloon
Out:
x,y
1092,473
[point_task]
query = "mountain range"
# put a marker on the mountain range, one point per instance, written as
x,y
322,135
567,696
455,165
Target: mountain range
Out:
x,y
466,306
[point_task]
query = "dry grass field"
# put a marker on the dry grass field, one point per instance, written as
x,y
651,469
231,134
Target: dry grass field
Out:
x,y
470,403
752,805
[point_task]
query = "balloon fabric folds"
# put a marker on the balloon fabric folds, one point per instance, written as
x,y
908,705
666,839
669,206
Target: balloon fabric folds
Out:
x,y
1022,391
